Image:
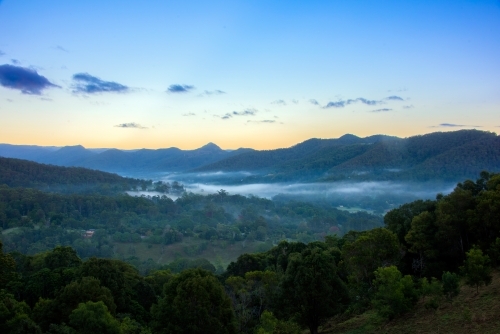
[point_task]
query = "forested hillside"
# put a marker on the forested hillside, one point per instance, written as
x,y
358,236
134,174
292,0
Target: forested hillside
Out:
x,y
439,156
22,173
423,259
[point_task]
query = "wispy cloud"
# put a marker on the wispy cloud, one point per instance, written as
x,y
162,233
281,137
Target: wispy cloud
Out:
x,y
27,80
452,125
189,114
15,61
60,48
2,53
394,98
88,84
295,101
132,125
263,121
213,92
176,88
381,110
279,102
313,101
246,112
338,104
343,103
408,106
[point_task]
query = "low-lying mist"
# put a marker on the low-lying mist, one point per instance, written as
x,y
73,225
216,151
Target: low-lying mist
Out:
x,y
371,196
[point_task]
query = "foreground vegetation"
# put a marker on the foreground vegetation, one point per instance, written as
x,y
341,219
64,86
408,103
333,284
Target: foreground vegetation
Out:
x,y
429,266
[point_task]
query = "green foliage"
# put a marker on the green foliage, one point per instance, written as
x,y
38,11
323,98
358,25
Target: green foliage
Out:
x,y
57,311
7,267
451,286
194,302
93,317
394,294
476,269
311,290
433,290
369,251
270,325
15,316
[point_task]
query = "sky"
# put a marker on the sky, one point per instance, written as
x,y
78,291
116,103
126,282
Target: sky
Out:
x,y
259,74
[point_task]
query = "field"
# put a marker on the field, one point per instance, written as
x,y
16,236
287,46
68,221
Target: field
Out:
x,y
218,252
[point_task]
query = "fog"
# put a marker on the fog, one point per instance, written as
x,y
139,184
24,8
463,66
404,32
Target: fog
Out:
x,y
367,195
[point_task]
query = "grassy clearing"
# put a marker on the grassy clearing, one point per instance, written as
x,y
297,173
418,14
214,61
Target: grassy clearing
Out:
x,y
468,313
217,252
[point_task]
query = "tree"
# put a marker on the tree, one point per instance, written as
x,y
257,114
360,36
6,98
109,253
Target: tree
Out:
x,y
92,318
420,239
311,290
451,286
477,268
7,267
194,302
394,294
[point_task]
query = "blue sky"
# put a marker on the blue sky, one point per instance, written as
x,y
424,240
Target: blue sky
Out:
x,y
261,74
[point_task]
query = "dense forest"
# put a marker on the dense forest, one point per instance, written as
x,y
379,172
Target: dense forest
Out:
x,y
423,252
22,173
439,156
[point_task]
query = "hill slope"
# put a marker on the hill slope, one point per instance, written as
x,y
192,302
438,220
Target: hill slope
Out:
x,y
468,313
447,156
23,173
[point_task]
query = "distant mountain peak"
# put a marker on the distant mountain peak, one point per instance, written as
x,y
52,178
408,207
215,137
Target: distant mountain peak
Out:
x,y
210,146
349,136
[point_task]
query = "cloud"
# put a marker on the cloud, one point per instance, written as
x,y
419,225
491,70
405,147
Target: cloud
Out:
x,y
212,92
381,110
295,101
15,61
246,112
60,48
365,101
263,121
394,98
132,125
313,101
343,103
452,125
280,102
86,83
179,88
2,53
189,114
338,104
27,80
408,106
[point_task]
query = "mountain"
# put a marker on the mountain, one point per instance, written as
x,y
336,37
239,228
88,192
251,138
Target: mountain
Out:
x,y
114,160
447,156
272,159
